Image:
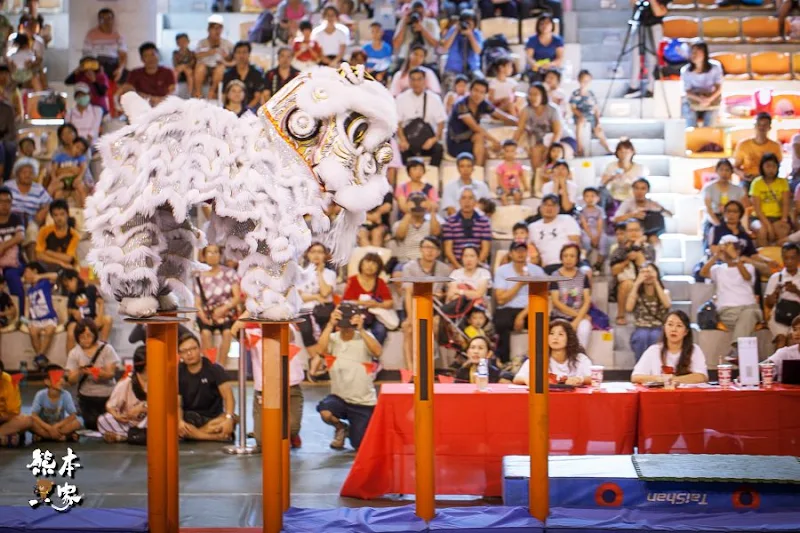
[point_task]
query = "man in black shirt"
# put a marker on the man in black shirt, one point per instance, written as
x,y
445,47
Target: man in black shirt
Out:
x,y
652,19
280,75
206,396
250,75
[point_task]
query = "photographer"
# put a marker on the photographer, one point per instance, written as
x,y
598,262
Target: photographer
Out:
x,y
463,44
651,16
626,261
416,28
353,395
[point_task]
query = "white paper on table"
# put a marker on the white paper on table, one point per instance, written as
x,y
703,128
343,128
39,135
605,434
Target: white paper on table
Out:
x,y
618,386
748,361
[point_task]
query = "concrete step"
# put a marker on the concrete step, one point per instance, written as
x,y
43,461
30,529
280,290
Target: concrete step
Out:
x,y
682,305
679,287
671,246
604,51
656,164
605,69
639,129
601,18
602,36
633,109
659,184
670,266
596,6
643,146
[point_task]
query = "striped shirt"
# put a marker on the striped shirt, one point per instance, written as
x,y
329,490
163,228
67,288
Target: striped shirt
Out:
x,y
465,231
100,44
28,204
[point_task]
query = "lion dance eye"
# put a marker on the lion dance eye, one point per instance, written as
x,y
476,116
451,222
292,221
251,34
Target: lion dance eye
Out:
x,y
356,127
302,126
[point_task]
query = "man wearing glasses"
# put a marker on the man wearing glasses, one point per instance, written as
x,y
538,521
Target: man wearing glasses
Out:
x,y
206,397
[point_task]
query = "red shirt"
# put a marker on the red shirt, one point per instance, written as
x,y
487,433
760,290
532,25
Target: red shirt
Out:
x,y
306,55
157,84
354,290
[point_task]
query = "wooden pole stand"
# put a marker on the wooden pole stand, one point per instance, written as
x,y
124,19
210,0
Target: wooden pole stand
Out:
x,y
538,396
422,334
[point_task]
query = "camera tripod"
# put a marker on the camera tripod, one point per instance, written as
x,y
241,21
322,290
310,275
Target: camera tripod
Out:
x,y
644,45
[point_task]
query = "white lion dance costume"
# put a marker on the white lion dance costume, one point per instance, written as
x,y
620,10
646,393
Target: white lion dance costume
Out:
x,y
323,138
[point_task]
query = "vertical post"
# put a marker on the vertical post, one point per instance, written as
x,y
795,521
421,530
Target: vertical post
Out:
x,y
271,424
157,448
242,448
285,461
538,400
423,400
171,433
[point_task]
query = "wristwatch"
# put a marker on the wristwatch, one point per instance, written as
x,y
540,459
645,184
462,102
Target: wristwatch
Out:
x,y
229,416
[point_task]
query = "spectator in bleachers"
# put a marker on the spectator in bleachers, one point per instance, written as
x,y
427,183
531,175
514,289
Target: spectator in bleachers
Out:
x,y
9,94
289,15
626,261
183,62
619,175
471,281
676,354
53,414
106,44
649,302
217,296
152,81
544,50
44,30
464,131
127,406
57,243
208,408
452,8
783,296
26,67
421,118
652,19
30,201
568,364
498,8
749,152
718,193
787,353
592,221
463,43
85,116
520,233
451,194
373,231
416,28
466,227
586,111
731,224
427,264
541,122
512,297
8,138
251,76
701,81
13,424
419,221
572,298
307,52
6,29
771,202
379,53
12,231
368,290
353,395
89,73
83,301
233,98
459,90
431,8
332,37
68,171
511,182
733,275
29,27
552,232
213,55
502,87
220,5
428,197
316,291
401,80
279,76
643,209
563,186
41,315
556,95
795,152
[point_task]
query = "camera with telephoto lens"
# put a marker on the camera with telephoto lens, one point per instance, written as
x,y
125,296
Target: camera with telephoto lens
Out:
x,y
348,310
465,18
635,248
641,4
414,18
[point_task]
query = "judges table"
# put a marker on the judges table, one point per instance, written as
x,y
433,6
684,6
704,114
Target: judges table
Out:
x,y
475,430
693,420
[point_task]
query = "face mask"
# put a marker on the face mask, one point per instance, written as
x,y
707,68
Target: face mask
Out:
x,y
83,100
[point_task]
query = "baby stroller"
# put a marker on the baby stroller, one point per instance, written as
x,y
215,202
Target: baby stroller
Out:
x,y
454,323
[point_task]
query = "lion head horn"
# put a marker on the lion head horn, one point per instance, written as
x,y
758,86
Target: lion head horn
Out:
x,y
134,105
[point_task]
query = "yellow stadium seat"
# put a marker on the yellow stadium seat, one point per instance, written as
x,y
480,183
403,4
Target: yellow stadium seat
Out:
x,y
785,135
786,104
760,29
796,65
722,29
681,27
697,138
771,65
734,65
735,135
706,4
682,4
505,26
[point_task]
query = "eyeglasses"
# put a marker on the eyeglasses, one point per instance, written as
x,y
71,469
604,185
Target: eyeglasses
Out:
x,y
187,351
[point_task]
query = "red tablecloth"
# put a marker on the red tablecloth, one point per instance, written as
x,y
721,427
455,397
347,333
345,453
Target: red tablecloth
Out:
x,y
753,422
474,431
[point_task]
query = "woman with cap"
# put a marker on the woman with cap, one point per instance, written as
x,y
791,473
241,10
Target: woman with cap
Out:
x,y
127,406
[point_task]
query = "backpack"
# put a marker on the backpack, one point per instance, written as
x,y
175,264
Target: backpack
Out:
x,y
707,316
494,48
264,28
676,52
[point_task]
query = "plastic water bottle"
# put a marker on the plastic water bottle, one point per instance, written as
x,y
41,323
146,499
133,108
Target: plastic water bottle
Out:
x,y
482,377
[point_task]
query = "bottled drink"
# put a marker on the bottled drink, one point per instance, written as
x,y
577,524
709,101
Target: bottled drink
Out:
x,y
482,376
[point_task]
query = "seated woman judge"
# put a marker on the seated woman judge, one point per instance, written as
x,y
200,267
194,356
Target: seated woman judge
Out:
x,y
568,363
676,354
125,419
477,349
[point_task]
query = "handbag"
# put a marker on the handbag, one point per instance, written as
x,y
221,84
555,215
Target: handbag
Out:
x,y
785,310
137,436
707,316
387,317
654,223
417,131
714,105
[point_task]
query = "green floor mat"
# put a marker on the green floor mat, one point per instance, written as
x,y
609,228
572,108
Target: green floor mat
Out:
x,y
718,468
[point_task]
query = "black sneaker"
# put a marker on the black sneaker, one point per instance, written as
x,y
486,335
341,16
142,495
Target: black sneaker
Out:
x,y
648,94
632,93
727,3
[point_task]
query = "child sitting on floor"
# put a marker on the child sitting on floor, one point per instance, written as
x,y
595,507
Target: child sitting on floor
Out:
x,y
53,413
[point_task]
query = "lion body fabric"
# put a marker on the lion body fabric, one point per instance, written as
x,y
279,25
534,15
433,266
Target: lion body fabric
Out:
x,y
268,203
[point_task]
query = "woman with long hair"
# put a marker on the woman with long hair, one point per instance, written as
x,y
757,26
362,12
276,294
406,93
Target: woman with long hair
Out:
x,y
127,406
478,348
217,297
572,297
676,354
415,59
538,120
702,86
649,302
568,363
368,290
